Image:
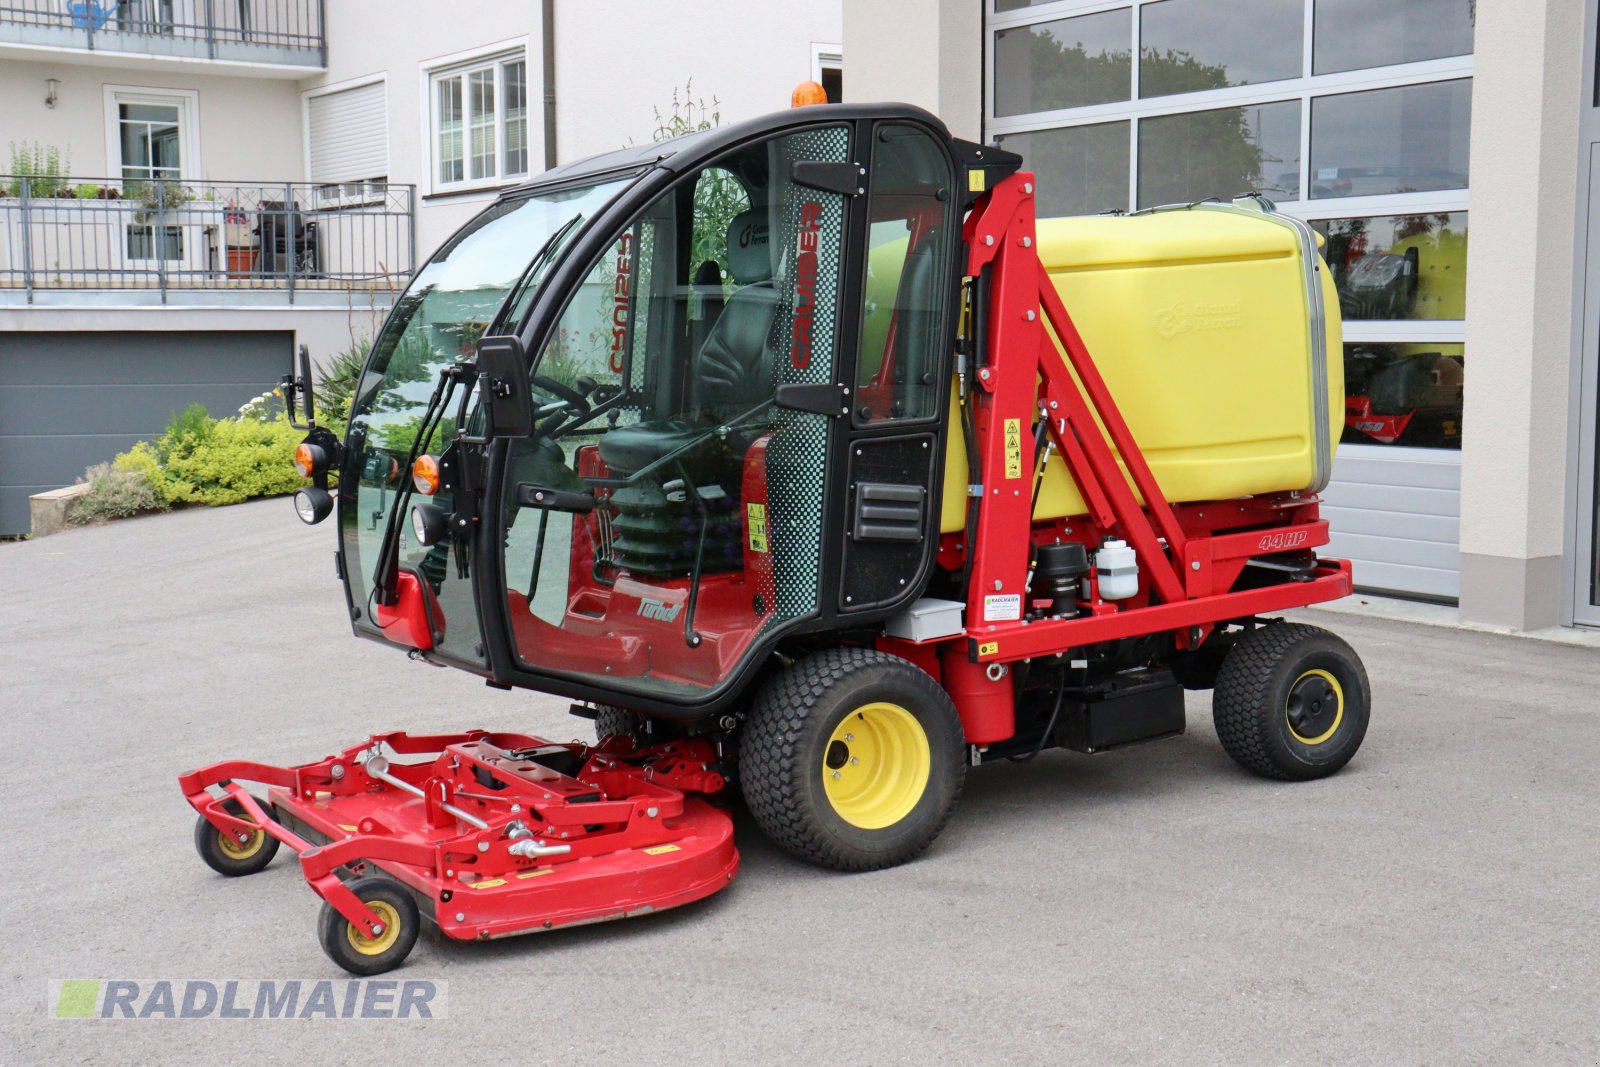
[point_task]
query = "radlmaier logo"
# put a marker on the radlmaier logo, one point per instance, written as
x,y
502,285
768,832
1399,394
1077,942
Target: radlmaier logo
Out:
x,y
242,998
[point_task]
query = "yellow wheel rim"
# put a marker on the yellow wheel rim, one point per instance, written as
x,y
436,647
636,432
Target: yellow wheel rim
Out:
x,y
374,946
1307,711
235,849
875,765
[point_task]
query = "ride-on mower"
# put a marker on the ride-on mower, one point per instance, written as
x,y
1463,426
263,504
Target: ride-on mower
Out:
x,y
811,466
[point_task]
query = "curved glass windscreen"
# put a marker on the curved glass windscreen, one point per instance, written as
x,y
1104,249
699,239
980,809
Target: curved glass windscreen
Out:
x,y
480,282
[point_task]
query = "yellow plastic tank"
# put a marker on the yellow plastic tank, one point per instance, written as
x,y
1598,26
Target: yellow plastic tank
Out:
x,y
1216,329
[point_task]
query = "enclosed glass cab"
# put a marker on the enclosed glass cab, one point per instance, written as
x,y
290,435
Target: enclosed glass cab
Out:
x,y
739,359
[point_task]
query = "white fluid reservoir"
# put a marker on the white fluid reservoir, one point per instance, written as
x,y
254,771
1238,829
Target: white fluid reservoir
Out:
x,y
1117,567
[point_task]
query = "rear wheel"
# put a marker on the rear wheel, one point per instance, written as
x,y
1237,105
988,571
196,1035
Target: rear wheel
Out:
x,y
852,759
228,854
614,722
351,948
1291,702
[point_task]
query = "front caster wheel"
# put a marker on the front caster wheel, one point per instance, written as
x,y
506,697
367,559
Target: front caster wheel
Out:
x,y
351,948
852,759
229,855
1291,702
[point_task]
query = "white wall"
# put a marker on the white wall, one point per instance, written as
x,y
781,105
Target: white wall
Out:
x,y
923,52
616,62
250,128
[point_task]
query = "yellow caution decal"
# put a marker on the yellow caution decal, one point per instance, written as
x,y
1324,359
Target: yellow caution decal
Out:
x,y
660,850
489,884
534,874
1013,448
977,180
756,526
989,648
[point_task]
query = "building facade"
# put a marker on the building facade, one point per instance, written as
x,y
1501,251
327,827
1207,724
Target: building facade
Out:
x,y
1441,147
195,189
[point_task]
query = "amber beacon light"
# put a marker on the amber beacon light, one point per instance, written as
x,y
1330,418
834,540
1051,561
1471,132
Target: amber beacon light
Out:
x,y
806,94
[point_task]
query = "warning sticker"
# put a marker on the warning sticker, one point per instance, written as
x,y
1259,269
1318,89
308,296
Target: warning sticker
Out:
x,y
989,648
1013,448
658,850
489,884
756,526
1002,607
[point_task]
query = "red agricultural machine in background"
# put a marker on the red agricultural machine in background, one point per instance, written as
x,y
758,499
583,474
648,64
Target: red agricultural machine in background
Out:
x,y
808,463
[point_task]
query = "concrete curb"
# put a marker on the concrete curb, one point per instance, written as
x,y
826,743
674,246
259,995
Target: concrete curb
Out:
x,y
49,512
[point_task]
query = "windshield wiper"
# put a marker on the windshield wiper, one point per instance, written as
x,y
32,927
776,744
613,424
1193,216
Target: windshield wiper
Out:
x,y
546,250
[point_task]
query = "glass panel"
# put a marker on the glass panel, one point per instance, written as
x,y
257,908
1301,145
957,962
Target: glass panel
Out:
x,y
1018,5
452,166
167,113
1399,266
903,310
1404,140
1403,394
516,124
143,242
1189,45
1082,169
707,533
1220,153
1067,63
449,305
480,122
1352,34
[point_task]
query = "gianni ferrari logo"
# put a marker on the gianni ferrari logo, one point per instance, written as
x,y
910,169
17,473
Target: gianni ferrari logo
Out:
x,y
620,297
805,285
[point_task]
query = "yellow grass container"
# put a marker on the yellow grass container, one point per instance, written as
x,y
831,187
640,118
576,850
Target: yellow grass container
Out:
x,y
1216,329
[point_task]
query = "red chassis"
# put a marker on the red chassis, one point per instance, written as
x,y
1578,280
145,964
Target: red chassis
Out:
x,y
489,834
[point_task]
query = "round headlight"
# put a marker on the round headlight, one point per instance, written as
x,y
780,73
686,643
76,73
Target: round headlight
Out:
x,y
313,505
429,524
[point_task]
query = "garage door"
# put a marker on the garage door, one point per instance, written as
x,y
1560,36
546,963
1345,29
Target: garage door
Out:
x,y
69,400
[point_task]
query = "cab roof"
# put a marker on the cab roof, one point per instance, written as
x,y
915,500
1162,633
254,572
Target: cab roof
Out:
x,y
692,149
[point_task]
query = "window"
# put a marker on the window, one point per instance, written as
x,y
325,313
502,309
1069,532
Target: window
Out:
x,y
1087,167
150,140
480,122
1355,34
904,303
1411,138
1399,266
1192,45
1223,152
1403,394
1067,63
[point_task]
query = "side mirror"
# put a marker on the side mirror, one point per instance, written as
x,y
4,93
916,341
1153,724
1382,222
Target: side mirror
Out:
x,y
503,387
297,385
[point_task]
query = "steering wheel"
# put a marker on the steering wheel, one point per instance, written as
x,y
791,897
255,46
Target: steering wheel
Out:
x,y
574,399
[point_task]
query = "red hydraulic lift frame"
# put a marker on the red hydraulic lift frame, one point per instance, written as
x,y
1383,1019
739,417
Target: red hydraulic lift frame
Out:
x,y
1187,564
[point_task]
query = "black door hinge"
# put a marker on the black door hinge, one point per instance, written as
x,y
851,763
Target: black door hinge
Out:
x,y
846,179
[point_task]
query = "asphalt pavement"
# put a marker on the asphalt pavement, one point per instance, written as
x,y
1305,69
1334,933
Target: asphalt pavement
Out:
x,y
1435,903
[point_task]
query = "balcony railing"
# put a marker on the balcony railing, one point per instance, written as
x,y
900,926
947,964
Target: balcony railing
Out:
x,y
250,31
171,236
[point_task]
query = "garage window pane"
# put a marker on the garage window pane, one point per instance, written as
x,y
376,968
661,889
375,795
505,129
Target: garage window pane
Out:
x,y
1223,153
1404,140
1067,63
1399,266
1082,169
1354,34
1187,46
1403,394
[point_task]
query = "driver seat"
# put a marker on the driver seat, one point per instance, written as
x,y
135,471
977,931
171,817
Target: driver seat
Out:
x,y
731,371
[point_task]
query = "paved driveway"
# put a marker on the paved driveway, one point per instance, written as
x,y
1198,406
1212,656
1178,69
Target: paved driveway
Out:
x,y
1435,903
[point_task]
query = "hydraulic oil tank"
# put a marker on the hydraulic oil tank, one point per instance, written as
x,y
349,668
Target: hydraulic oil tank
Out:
x,y
1216,328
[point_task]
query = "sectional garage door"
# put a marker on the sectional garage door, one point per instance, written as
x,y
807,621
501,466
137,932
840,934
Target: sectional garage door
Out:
x,y
69,400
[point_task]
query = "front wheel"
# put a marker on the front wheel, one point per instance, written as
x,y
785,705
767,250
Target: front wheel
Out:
x,y
1291,702
351,948
852,759
230,855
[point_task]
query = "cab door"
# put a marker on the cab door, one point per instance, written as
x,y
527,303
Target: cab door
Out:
x,y
902,367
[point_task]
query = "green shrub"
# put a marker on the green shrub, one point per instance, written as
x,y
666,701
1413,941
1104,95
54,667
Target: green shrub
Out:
x,y
337,389
116,491
232,461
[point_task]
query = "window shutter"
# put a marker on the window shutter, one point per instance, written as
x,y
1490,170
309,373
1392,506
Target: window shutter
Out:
x,y
349,134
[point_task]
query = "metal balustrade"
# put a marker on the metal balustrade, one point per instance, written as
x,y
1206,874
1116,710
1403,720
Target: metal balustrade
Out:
x,y
271,31
166,235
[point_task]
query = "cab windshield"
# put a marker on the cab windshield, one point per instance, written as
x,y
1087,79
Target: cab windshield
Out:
x,y
482,280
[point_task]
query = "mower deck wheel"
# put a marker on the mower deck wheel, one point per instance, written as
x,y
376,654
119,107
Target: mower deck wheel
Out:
x,y
852,759
1291,702
351,948
614,722
228,855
